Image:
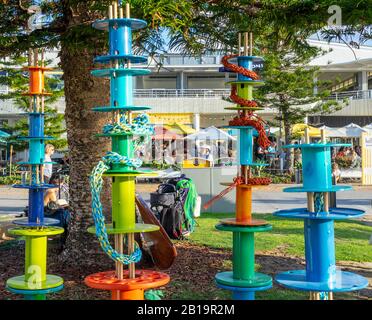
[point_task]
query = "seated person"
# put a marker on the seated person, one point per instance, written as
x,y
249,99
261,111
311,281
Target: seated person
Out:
x,y
56,208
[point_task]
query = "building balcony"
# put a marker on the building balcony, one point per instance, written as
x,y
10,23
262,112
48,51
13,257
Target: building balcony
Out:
x,y
182,93
352,95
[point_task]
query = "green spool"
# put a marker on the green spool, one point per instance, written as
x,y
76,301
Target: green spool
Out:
x,y
122,145
35,277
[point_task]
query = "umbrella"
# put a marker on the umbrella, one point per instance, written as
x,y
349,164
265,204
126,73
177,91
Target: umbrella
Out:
x,y
163,134
368,128
298,130
179,128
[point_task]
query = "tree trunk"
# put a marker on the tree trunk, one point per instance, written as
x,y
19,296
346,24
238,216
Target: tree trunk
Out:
x,y
82,92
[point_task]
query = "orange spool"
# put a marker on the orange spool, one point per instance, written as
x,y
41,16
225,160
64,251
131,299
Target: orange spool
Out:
x,y
36,81
128,295
243,203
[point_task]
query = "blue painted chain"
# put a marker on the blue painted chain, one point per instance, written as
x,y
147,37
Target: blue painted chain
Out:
x,y
139,126
154,294
323,296
96,182
113,157
318,202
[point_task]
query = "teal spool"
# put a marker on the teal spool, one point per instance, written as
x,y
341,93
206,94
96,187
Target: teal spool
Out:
x,y
246,146
316,167
36,129
121,90
120,39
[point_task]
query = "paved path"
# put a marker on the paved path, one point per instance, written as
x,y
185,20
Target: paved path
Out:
x,y
12,201
265,200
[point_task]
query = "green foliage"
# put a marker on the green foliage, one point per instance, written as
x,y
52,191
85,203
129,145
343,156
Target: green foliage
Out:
x,y
344,162
9,180
159,165
277,178
18,82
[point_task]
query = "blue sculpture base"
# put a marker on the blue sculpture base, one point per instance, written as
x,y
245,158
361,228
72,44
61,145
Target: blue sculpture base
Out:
x,y
32,294
47,222
344,281
35,186
239,293
333,214
333,188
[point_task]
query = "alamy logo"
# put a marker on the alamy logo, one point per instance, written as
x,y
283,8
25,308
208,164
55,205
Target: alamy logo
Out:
x,y
34,22
34,280
336,19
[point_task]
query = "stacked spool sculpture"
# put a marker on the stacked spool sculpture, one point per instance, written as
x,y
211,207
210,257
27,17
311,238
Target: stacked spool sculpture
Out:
x,y
243,281
35,283
321,277
121,165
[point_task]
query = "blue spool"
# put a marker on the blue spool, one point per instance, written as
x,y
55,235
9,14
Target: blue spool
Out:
x,y
240,293
321,274
316,168
120,39
121,86
247,63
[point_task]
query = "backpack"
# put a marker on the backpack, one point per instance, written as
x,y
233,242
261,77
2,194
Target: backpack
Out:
x,y
168,210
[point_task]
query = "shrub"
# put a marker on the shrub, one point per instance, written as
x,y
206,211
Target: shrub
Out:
x,y
9,180
343,162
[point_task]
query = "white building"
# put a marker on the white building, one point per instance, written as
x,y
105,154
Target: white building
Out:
x,y
190,90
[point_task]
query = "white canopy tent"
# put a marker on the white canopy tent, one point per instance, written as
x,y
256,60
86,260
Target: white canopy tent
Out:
x,y
368,127
210,133
352,130
207,139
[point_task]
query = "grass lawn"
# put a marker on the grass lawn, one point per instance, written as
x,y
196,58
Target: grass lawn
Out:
x,y
286,237
351,237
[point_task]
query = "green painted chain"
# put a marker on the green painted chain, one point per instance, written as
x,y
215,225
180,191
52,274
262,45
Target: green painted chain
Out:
x,y
140,126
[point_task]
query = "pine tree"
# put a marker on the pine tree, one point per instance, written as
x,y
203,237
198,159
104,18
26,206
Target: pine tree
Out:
x,y
194,27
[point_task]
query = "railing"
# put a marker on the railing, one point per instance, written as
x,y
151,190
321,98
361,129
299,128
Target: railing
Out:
x,y
354,95
219,93
181,93
186,60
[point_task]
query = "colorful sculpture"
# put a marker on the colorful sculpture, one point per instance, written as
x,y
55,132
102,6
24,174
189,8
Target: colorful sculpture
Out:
x,y
243,281
321,276
35,229
120,164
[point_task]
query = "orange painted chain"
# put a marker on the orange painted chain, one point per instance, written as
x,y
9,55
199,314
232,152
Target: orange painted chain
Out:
x,y
241,101
238,69
245,72
256,181
254,121
246,118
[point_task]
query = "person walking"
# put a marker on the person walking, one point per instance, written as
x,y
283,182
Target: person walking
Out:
x,y
48,166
